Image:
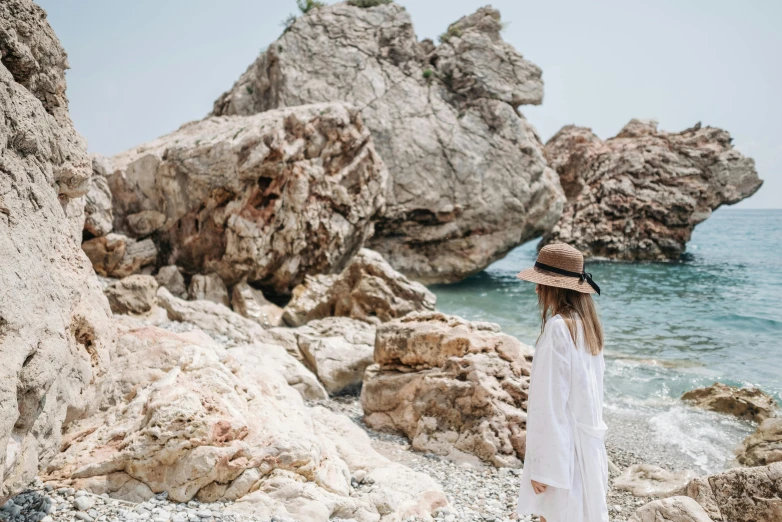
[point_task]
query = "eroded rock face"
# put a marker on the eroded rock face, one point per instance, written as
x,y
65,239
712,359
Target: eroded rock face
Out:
x,y
744,403
266,198
251,303
180,415
452,387
133,294
764,446
55,324
672,509
116,255
741,494
209,287
98,216
368,289
639,195
646,480
170,277
468,178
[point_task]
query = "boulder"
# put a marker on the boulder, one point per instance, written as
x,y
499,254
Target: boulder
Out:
x,y
672,509
265,198
55,326
209,287
180,415
133,294
144,223
368,289
171,278
98,217
249,302
453,387
741,494
744,403
646,480
639,195
764,446
116,255
338,350
469,181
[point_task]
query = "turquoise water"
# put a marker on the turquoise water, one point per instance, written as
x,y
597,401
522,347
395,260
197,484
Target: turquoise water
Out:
x,y
716,315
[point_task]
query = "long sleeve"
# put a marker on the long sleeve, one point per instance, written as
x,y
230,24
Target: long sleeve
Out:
x,y
550,451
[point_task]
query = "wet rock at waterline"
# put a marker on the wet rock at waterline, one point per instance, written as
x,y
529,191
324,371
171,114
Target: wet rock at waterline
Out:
x,y
744,403
764,446
55,323
266,198
468,180
368,289
453,387
638,195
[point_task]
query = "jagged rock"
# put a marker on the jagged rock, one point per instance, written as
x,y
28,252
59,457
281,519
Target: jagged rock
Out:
x,y
672,509
646,480
265,198
97,206
468,178
209,287
639,195
115,255
744,403
144,223
170,277
741,494
764,446
133,294
180,415
251,303
338,350
368,289
453,387
55,325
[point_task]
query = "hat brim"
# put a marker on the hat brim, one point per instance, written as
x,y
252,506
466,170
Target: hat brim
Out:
x,y
543,277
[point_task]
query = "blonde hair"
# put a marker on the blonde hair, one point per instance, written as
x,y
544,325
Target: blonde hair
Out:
x,y
571,304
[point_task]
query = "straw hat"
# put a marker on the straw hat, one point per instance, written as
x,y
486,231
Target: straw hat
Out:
x,y
560,265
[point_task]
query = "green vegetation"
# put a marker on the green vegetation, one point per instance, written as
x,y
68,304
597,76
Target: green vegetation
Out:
x,y
452,32
368,3
305,6
428,74
248,89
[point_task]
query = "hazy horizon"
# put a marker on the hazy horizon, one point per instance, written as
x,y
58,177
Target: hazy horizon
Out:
x,y
141,70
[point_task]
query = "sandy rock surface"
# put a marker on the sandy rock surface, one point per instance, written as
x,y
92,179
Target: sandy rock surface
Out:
x,y
745,403
265,198
468,180
368,289
55,328
638,195
452,387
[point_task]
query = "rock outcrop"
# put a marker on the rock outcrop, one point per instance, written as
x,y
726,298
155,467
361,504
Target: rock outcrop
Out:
x,y
134,294
468,178
209,287
672,509
453,387
741,495
639,195
55,325
368,289
745,403
116,255
179,415
764,446
646,480
170,277
98,215
251,303
266,198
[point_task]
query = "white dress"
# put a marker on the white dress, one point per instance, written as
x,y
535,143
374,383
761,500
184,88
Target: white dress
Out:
x,y
565,430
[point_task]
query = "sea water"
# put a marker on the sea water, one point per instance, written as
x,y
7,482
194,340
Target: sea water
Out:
x,y
714,315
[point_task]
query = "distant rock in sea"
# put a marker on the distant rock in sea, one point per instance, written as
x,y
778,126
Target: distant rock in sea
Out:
x,y
639,195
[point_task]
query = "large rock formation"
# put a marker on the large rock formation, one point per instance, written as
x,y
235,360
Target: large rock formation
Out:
x,y
744,403
639,195
54,320
180,415
468,178
453,387
741,495
764,446
266,198
368,289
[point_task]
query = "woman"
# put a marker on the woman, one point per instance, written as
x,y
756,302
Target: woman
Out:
x,y
565,476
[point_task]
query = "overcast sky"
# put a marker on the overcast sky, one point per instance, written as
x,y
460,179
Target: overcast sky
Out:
x,y
140,69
